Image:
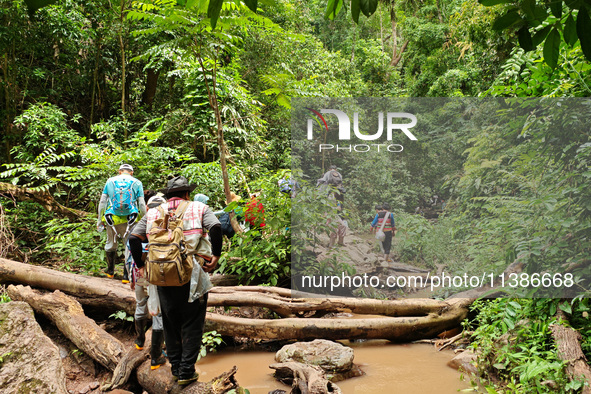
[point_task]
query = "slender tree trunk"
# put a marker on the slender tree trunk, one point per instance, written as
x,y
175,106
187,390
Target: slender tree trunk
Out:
x,y
94,83
123,60
394,33
213,102
150,89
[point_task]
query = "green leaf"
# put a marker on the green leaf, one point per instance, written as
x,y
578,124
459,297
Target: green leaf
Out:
x,y
570,31
34,5
525,40
213,11
584,32
332,8
566,308
252,4
552,48
368,7
528,8
506,20
556,8
355,10
541,35
490,3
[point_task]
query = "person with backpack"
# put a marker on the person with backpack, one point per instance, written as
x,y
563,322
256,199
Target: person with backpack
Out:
x,y
137,245
121,202
384,226
179,268
333,178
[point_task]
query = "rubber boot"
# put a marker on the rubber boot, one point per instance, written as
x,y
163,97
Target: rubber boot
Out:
x,y
111,261
125,279
156,350
140,329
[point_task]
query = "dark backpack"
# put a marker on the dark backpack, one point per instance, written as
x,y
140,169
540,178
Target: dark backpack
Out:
x,y
335,178
227,229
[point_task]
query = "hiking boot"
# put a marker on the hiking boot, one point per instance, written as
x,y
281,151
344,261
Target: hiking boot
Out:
x,y
140,329
111,261
175,372
188,379
156,349
125,279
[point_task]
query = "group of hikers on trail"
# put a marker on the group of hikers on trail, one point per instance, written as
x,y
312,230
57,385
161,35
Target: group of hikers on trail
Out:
x,y
383,224
170,247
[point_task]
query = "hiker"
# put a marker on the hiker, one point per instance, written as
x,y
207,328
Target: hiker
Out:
x,y
137,245
183,307
226,220
332,178
121,202
254,214
341,229
384,222
443,204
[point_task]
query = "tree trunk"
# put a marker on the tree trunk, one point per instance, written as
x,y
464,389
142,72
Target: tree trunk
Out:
x,y
213,103
130,361
396,329
568,342
304,378
68,316
100,292
150,89
160,381
43,198
423,318
286,306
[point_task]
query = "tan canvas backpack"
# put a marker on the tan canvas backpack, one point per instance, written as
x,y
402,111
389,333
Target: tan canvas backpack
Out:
x,y
167,263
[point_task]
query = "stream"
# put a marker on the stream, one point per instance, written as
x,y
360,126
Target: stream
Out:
x,y
389,368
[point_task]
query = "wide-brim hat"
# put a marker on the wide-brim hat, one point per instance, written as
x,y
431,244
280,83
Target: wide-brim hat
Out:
x,y
178,184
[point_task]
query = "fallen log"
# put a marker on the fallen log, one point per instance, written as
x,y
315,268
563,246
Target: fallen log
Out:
x,y
304,378
128,363
568,342
102,293
89,290
160,381
45,199
424,318
396,329
285,306
68,316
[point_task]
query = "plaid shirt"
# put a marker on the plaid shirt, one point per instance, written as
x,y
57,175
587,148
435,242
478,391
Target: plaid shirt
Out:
x,y
192,231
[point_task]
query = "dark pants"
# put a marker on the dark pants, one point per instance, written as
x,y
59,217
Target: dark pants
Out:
x,y
387,242
183,327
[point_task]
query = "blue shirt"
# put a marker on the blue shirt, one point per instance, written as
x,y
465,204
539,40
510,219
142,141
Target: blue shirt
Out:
x,y
137,192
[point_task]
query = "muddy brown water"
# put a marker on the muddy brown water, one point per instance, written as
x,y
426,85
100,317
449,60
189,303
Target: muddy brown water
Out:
x,y
389,368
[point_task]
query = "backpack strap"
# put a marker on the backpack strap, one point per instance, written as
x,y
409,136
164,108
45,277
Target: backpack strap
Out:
x,y
384,221
181,209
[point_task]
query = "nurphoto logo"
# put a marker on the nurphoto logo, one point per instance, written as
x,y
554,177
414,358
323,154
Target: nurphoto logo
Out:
x,y
392,125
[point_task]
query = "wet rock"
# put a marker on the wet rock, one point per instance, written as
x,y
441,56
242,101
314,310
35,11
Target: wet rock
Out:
x,y
464,361
333,358
328,355
31,363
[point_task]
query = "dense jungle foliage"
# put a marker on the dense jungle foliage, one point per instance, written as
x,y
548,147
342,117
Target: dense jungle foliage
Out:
x,y
87,86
